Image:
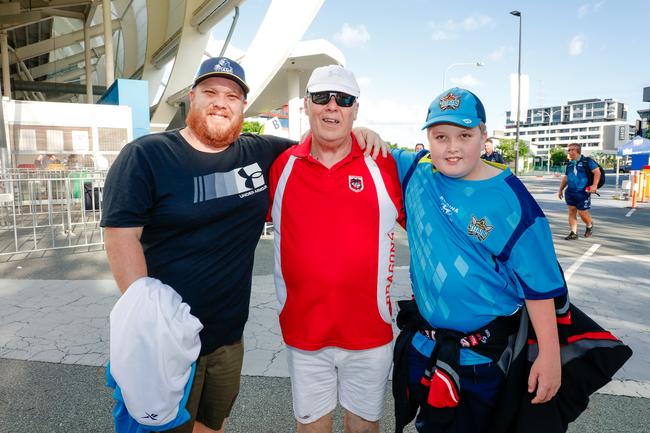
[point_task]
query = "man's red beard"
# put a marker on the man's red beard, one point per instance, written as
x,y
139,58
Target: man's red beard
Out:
x,y
218,136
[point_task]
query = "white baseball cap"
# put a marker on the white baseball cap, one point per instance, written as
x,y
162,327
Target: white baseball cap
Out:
x,y
333,78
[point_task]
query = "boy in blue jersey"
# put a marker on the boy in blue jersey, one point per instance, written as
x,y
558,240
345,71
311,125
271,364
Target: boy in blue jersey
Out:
x,y
480,248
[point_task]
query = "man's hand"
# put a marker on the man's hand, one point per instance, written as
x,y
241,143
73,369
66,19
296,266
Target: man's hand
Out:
x,y
370,142
560,194
545,377
593,189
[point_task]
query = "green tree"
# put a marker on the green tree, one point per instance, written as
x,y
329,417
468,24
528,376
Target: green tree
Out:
x,y
507,149
647,133
558,156
253,127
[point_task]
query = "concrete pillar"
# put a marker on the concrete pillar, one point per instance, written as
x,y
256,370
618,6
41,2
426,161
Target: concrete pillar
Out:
x,y
108,42
87,63
295,103
6,85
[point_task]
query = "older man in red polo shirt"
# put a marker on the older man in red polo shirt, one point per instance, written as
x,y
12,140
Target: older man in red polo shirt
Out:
x,y
334,211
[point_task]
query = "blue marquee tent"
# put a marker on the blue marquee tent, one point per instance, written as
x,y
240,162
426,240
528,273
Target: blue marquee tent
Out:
x,y
638,145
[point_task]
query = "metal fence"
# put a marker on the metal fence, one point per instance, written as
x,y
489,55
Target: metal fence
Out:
x,y
49,209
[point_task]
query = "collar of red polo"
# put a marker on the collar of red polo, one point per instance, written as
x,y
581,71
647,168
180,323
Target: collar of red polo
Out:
x,y
303,149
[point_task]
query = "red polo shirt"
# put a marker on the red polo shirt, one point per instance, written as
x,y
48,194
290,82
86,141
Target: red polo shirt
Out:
x,y
334,249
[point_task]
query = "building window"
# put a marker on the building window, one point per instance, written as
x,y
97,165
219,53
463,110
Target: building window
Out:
x,y
26,140
112,139
54,140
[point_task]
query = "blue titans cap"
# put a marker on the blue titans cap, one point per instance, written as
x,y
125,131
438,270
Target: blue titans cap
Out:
x,y
458,106
221,67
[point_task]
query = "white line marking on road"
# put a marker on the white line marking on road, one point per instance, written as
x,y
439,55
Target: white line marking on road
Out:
x,y
630,388
574,267
630,212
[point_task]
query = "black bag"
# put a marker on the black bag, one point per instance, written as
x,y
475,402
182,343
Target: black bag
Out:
x,y
92,196
590,174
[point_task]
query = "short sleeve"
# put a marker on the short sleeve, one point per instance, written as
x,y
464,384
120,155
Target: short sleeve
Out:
x,y
393,182
129,189
534,263
404,159
278,144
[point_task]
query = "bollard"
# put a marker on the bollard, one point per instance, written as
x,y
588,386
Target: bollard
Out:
x,y
645,183
641,194
634,188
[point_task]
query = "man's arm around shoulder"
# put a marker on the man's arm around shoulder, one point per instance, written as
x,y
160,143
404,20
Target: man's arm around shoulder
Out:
x,y
125,255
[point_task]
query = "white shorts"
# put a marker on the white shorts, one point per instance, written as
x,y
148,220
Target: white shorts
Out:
x,y
359,377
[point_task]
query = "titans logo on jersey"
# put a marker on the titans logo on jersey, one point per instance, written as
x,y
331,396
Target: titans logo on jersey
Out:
x,y
479,228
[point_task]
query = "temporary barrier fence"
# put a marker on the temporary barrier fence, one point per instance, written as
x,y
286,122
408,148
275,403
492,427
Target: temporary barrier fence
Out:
x,y
49,209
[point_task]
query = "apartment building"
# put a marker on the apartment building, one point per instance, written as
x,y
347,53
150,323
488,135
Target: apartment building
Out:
x,y
598,124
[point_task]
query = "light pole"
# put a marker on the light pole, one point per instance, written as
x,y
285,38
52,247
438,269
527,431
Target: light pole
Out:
x,y
479,64
548,151
543,112
518,14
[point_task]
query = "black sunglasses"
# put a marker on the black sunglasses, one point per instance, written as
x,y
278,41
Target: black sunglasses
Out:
x,y
342,99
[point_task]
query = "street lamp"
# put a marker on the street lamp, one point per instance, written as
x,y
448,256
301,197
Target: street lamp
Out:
x,y
548,114
518,14
458,64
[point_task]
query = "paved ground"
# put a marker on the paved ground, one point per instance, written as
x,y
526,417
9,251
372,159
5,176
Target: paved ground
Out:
x,y
54,328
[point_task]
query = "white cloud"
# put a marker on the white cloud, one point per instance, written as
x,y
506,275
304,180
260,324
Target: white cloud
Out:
x,y
467,80
497,54
364,82
395,121
577,45
476,22
446,30
587,8
353,36
443,35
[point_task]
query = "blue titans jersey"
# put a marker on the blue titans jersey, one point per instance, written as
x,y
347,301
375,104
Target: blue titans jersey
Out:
x,y
478,249
576,175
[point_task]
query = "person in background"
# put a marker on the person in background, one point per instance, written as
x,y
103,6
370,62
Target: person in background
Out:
x,y
576,192
490,154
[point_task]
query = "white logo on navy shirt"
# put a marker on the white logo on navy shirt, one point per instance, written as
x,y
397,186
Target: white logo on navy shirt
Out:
x,y
242,181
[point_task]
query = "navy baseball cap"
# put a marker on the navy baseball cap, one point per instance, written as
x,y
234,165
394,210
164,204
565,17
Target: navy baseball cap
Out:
x,y
222,67
458,106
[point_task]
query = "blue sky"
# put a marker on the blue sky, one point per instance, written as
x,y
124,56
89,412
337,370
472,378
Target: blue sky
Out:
x,y
570,50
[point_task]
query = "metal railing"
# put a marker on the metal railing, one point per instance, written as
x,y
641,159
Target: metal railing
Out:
x,y
50,209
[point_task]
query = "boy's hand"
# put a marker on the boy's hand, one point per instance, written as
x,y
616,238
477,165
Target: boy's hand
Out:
x,y
545,377
371,142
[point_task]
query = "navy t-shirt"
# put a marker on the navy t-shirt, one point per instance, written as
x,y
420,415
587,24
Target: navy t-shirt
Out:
x,y
202,216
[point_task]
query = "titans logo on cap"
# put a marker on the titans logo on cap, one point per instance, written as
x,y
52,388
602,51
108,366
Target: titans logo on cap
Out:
x,y
223,66
449,102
